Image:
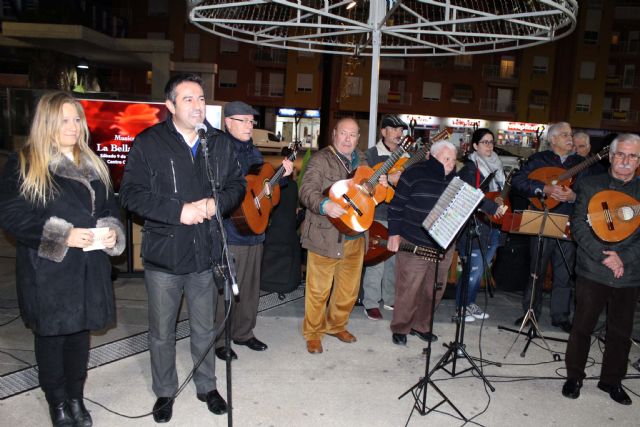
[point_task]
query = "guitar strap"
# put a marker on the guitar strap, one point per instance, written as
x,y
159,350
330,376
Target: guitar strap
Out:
x,y
346,163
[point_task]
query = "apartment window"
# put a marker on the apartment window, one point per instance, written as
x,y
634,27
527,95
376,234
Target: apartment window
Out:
x,y
463,61
276,84
383,87
157,7
228,78
392,64
624,104
431,91
592,27
353,85
583,102
228,45
538,100
507,67
304,82
540,64
191,46
462,93
587,70
155,35
629,75
257,83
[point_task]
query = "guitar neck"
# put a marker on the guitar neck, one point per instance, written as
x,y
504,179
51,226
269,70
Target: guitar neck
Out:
x,y
276,176
386,166
583,165
417,156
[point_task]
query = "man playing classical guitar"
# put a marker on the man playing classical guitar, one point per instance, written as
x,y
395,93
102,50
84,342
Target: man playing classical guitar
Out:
x,y
334,259
608,275
378,281
246,249
560,155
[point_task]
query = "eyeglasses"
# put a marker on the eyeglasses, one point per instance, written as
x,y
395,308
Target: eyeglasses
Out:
x,y
486,141
631,156
565,135
245,121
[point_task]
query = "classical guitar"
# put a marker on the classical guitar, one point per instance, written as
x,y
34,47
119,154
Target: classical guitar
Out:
x,y
378,252
404,163
360,195
558,176
504,195
613,215
252,216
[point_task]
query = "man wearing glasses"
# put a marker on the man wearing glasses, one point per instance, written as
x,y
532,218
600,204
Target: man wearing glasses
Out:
x,y
246,249
608,275
559,155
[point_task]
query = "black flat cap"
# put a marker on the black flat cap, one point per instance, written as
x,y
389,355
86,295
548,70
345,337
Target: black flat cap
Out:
x,y
393,122
239,108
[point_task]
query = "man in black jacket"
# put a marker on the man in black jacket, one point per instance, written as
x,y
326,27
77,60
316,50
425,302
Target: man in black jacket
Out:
x,y
560,155
608,275
165,182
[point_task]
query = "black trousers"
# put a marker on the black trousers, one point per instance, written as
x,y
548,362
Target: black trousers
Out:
x,y
592,298
62,365
562,284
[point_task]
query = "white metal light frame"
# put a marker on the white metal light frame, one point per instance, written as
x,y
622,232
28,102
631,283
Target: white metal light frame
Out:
x,y
409,28
388,28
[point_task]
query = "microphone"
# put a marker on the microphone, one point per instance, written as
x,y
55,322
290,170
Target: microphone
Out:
x,y
539,194
201,128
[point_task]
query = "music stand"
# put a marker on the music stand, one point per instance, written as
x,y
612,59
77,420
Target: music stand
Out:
x,y
452,210
457,349
541,224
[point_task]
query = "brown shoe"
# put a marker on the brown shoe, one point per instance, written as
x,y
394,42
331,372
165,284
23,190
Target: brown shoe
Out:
x,y
345,336
314,346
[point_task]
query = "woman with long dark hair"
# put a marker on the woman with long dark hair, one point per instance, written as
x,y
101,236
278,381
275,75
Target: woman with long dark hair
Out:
x,y
56,199
481,163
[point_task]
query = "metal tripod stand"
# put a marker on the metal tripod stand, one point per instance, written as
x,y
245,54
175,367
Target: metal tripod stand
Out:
x,y
457,349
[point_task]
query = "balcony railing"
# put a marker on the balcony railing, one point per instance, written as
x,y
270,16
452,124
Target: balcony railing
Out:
x,y
620,115
495,73
268,91
271,57
395,98
621,82
492,105
627,47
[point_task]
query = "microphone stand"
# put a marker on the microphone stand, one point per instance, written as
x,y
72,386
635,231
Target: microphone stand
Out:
x,y
224,273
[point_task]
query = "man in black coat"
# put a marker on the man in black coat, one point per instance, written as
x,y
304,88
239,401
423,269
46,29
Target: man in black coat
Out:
x,y
560,155
165,181
608,275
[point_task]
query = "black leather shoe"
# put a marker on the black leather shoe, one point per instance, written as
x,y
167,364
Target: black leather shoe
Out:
x,y
571,388
60,415
424,336
79,413
253,343
616,392
163,410
399,339
215,402
565,325
221,354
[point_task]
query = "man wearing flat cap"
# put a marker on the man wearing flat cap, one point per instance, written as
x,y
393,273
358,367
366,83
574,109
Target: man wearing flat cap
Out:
x,y
378,283
239,120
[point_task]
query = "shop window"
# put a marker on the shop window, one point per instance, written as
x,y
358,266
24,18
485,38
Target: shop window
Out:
x,y
228,78
431,91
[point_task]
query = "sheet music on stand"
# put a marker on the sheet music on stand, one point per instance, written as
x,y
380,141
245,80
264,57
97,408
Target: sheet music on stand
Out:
x,y
457,203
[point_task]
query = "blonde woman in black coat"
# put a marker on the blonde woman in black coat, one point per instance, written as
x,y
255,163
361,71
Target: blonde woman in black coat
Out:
x,y
54,197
